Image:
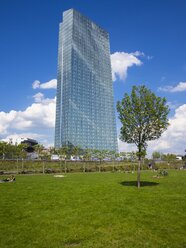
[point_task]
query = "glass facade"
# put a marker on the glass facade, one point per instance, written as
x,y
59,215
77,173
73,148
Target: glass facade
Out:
x,y
85,114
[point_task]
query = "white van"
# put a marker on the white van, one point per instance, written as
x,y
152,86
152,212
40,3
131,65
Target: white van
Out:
x,y
179,158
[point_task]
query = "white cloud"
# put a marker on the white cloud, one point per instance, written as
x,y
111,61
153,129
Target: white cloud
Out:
x,y
123,146
138,54
37,121
5,120
121,61
39,115
38,97
18,137
36,84
52,84
173,140
181,86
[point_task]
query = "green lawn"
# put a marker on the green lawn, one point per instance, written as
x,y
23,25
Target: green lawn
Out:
x,y
94,210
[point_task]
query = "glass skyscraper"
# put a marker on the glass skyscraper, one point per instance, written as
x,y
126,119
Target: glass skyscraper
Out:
x,y
85,115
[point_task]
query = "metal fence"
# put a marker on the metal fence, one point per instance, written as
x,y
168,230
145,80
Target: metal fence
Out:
x,y
22,166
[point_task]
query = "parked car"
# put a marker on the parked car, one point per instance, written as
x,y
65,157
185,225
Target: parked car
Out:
x,y
107,159
54,157
74,158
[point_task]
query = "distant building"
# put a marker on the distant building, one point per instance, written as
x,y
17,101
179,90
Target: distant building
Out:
x,y
85,114
30,144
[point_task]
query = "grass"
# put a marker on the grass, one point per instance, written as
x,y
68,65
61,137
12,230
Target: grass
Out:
x,y
94,210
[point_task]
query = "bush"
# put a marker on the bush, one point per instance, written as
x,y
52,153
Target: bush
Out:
x,y
49,171
163,173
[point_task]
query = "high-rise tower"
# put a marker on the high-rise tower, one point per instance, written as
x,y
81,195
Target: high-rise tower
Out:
x,y
85,114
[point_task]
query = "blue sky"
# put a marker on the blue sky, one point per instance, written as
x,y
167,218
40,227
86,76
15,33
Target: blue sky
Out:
x,y
147,40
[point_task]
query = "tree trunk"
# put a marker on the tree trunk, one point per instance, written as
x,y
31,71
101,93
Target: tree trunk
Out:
x,y
17,167
100,165
65,167
138,175
43,166
84,166
60,165
139,162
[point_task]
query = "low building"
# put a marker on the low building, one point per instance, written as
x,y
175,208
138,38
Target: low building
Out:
x,y
30,144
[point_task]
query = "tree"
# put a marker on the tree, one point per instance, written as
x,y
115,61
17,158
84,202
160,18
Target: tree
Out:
x,y
52,150
76,150
63,153
39,150
144,117
124,155
3,149
169,157
113,155
156,155
21,153
87,153
100,154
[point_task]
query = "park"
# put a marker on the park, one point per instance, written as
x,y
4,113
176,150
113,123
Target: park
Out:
x,y
94,210
92,124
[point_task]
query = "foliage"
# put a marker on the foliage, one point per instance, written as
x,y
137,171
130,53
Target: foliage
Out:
x,y
156,155
63,152
76,151
168,157
52,150
144,117
11,151
163,173
87,154
39,150
129,156
101,154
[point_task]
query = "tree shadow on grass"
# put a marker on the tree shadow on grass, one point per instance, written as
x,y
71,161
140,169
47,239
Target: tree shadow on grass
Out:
x,y
142,183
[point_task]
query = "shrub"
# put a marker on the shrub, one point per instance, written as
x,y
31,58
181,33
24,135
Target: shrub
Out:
x,y
163,173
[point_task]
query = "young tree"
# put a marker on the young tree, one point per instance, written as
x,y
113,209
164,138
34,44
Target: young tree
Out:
x,y
3,149
144,117
21,153
63,153
39,150
52,150
100,154
113,156
87,153
156,155
76,150
169,157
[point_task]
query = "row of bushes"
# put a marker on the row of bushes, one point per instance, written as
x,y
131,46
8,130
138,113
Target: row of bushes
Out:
x,y
25,166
